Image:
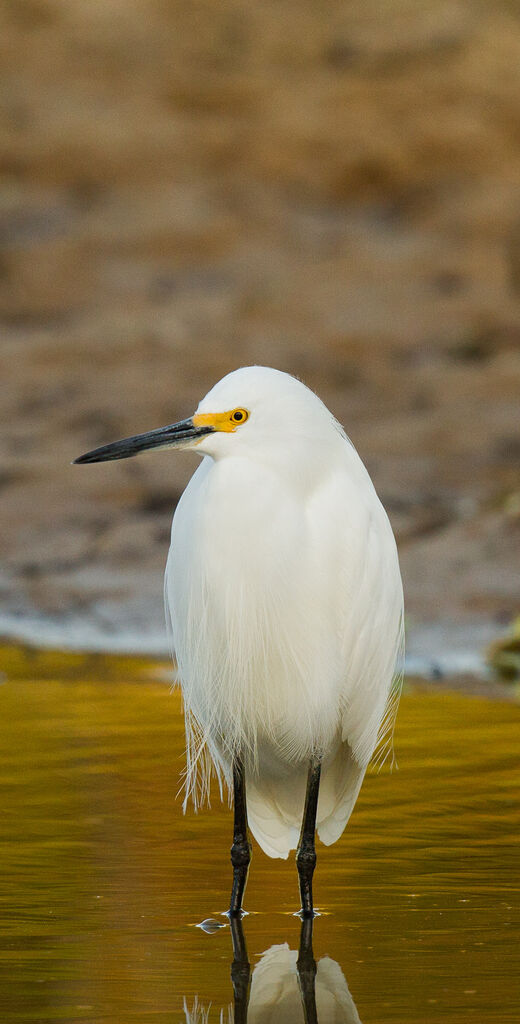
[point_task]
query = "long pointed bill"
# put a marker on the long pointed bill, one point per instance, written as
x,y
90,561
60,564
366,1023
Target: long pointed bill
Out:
x,y
177,435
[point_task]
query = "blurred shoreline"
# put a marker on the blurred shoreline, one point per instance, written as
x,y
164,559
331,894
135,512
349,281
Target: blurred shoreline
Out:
x,y
187,190
42,651
434,651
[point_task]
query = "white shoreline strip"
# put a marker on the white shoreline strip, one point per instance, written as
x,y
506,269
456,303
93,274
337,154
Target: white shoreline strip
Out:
x,y
434,650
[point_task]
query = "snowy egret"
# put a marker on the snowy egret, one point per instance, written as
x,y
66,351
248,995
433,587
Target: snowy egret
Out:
x,y
285,606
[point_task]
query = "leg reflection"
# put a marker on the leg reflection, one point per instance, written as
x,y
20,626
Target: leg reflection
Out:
x,y
306,966
240,970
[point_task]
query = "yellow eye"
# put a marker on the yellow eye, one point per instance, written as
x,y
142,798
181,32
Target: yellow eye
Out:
x,y
239,415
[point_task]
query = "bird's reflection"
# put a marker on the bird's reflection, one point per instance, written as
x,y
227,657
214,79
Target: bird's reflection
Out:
x,y
286,987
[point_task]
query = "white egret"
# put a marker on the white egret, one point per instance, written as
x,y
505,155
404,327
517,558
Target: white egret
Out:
x,y
285,603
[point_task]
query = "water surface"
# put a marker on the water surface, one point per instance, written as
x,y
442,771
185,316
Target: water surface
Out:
x,y
103,880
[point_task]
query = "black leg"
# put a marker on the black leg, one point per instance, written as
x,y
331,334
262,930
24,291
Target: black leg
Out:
x,y
306,852
306,965
240,971
241,849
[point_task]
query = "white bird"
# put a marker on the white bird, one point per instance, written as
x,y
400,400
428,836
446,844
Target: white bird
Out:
x,y
285,606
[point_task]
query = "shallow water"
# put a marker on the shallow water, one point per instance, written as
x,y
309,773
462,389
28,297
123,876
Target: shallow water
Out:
x,y
103,881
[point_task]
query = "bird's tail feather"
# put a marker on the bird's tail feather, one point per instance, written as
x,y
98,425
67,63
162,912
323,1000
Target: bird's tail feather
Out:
x,y
275,803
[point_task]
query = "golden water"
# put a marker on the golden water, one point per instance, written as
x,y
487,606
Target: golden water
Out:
x,y
102,879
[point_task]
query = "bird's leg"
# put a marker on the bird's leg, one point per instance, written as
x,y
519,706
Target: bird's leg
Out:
x,y
241,849
306,852
240,971
306,965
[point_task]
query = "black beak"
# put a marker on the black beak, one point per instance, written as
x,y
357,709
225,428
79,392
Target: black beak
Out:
x,y
177,435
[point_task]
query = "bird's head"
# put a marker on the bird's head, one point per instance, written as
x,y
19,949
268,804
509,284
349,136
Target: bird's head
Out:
x,y
254,409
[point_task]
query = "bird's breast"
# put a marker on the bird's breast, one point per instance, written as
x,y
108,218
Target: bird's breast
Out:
x,y
254,645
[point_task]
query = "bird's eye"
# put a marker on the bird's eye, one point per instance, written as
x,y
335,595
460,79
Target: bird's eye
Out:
x,y
239,416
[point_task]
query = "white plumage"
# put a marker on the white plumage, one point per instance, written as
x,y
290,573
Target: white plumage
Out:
x,y
285,606
275,993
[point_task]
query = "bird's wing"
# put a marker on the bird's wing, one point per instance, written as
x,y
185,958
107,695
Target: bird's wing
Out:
x,y
359,554
356,548
372,628
356,616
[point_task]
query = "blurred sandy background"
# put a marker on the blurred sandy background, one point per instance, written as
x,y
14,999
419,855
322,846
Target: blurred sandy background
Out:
x,y
331,189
